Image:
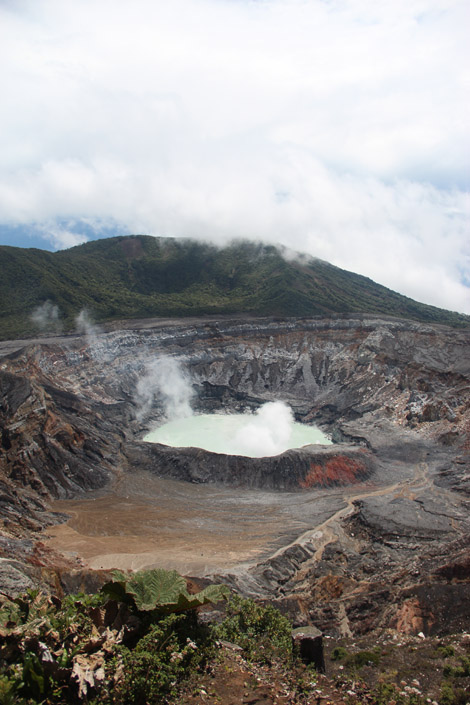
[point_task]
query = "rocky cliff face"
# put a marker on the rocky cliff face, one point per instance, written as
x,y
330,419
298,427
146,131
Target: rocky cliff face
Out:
x,y
393,394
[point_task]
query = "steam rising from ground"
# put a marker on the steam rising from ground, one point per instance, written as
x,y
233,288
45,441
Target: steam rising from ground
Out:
x,y
85,326
46,317
166,380
268,432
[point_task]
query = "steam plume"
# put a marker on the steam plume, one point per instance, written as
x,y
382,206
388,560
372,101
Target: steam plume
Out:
x,y
268,432
46,317
85,326
165,378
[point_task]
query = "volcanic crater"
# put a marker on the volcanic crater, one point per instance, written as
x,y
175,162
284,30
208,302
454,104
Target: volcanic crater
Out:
x,y
371,531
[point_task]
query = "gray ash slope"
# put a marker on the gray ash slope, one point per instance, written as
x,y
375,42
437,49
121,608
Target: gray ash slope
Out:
x,y
394,394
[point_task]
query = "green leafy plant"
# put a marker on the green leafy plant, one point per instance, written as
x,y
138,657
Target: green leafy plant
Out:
x,y
384,693
305,680
71,649
9,690
35,680
159,590
27,613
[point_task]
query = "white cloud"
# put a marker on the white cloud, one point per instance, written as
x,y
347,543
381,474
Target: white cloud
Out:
x,y
59,236
336,127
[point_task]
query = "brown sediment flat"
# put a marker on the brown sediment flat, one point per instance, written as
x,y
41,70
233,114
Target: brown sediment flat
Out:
x,y
147,522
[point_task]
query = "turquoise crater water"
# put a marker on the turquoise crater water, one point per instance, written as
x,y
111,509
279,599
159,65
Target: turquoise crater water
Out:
x,y
269,431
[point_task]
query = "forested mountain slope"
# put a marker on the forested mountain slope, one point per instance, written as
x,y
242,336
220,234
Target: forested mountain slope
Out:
x,y
142,276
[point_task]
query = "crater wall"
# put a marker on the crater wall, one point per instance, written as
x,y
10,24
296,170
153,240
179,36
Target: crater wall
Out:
x,y
394,395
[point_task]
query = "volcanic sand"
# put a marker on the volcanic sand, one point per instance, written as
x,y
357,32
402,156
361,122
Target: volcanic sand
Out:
x,y
144,521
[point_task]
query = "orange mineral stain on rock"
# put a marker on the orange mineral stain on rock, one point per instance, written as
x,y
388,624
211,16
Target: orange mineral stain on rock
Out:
x,y
339,470
413,617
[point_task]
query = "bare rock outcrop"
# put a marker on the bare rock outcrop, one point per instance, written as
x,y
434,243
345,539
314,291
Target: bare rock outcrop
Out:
x,y
303,468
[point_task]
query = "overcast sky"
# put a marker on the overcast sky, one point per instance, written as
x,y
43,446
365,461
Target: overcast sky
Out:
x,y
335,127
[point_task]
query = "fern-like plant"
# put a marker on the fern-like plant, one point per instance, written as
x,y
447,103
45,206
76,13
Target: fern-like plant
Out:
x,y
159,590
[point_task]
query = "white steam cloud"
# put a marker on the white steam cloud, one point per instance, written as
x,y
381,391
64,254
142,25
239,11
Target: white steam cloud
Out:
x,y
85,326
47,317
267,432
164,379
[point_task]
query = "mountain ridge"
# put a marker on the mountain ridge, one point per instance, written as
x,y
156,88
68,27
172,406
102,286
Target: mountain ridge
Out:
x,y
141,276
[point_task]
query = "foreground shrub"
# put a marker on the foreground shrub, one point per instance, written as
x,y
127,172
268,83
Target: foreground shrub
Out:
x,y
363,658
462,671
174,649
339,653
261,630
450,695
127,644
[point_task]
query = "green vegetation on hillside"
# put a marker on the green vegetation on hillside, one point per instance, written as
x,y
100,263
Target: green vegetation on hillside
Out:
x,y
142,276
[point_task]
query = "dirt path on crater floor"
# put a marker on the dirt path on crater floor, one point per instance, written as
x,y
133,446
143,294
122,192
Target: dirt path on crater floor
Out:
x,y
324,534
